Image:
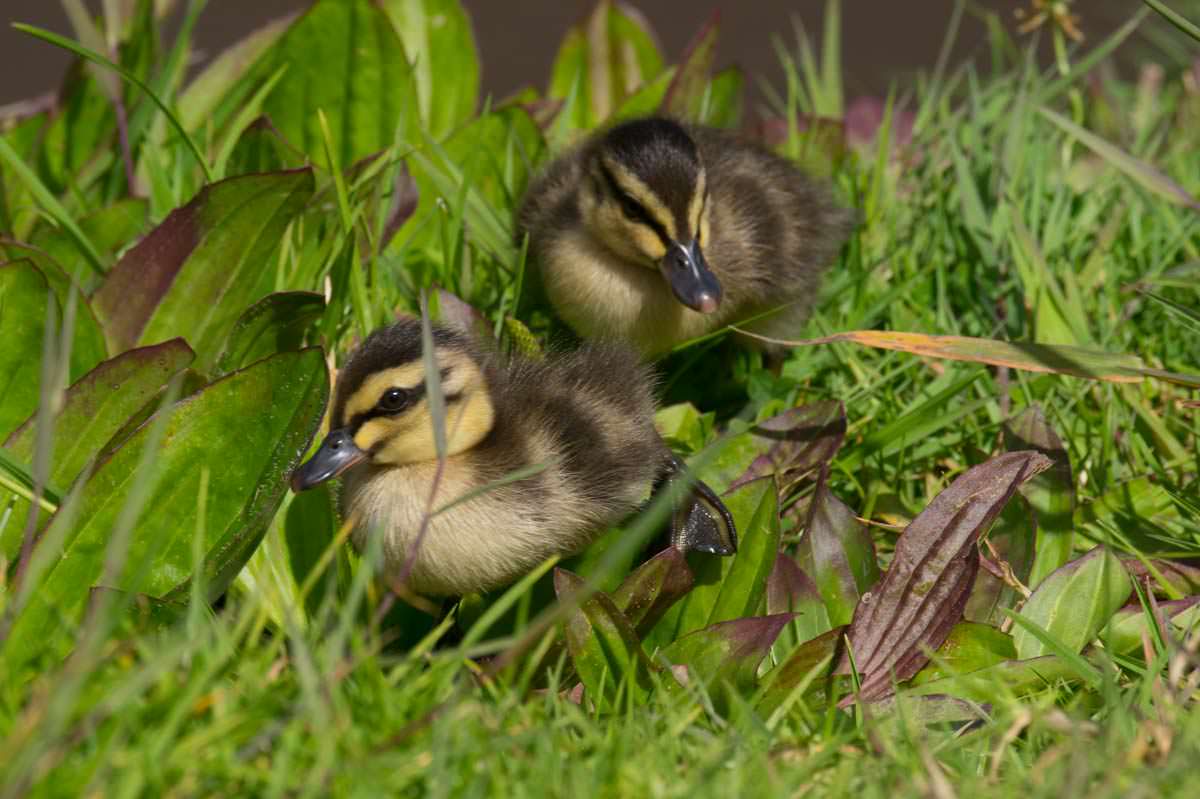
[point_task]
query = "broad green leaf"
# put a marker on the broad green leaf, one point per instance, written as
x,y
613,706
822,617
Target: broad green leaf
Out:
x,y
310,528
1022,677
438,39
88,333
217,85
276,323
344,58
806,672
684,427
599,64
260,148
727,652
690,79
606,653
721,104
967,648
733,587
925,590
246,432
647,593
790,590
25,301
1130,626
837,552
1051,494
1074,603
1055,359
208,260
110,229
94,409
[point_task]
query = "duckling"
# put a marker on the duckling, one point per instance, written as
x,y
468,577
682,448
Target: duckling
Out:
x,y
660,232
586,418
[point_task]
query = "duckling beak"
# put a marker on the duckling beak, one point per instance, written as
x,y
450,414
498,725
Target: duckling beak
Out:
x,y
689,277
336,454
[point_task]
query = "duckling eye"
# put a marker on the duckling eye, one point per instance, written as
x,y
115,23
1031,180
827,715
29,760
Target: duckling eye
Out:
x,y
631,208
394,399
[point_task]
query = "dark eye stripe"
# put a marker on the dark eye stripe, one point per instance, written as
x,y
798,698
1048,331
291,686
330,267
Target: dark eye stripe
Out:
x,y
643,217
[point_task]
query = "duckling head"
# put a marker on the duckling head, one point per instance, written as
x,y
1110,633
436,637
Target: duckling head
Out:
x,y
647,203
382,414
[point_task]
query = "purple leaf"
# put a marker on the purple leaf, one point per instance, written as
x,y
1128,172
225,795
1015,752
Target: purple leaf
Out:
x,y
864,117
925,589
456,312
838,552
729,651
652,588
796,442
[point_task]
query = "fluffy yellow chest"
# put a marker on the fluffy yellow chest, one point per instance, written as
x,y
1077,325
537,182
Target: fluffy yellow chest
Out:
x,y
602,296
484,542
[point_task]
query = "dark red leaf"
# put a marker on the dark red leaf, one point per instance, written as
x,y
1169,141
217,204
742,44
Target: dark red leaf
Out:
x,y
796,442
925,589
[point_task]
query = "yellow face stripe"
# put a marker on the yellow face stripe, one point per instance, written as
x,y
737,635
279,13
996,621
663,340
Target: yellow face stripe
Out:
x,y
635,188
696,206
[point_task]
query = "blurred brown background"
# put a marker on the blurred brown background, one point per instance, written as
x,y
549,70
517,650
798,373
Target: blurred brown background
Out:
x,y
883,39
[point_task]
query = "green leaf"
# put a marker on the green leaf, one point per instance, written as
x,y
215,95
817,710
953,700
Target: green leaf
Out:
x,y
1129,626
1142,172
260,148
606,653
343,57
246,432
790,590
310,528
218,84
967,648
727,652
1023,677
601,63
437,37
690,80
276,323
109,229
684,427
94,409
1074,603
837,552
652,588
194,273
734,587
1051,494
804,673
25,300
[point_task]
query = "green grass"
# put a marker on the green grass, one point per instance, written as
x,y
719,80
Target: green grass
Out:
x,y
1052,205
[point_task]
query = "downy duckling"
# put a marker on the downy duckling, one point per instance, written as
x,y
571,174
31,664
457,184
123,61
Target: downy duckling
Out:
x,y
585,417
660,232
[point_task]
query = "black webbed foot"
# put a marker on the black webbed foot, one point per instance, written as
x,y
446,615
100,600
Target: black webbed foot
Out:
x,y
699,521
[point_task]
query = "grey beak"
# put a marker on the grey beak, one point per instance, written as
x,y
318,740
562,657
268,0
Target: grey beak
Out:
x,y
693,284
336,454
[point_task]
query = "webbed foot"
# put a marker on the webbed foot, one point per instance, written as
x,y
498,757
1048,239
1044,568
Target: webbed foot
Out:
x,y
700,521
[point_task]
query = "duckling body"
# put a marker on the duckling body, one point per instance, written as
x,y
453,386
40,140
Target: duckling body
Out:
x,y
659,233
577,428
